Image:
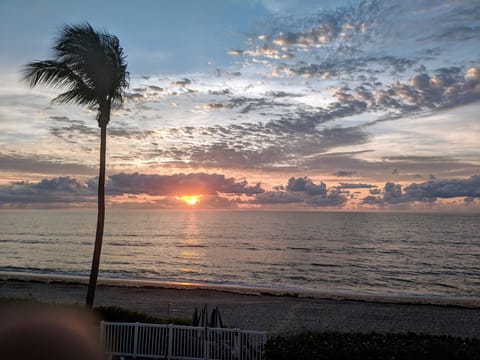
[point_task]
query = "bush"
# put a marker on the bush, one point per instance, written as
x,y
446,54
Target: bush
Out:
x,y
118,314
331,345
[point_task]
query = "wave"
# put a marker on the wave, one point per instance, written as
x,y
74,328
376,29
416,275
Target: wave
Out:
x,y
324,265
24,241
127,243
191,246
299,248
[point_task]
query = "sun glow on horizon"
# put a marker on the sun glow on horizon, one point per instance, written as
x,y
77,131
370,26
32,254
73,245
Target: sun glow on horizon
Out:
x,y
190,199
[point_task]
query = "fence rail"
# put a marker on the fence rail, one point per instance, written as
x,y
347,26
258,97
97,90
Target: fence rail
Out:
x,y
175,342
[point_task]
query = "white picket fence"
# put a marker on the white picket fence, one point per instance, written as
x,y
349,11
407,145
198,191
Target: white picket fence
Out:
x,y
174,342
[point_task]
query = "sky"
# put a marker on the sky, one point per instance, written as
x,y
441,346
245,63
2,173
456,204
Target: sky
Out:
x,y
254,104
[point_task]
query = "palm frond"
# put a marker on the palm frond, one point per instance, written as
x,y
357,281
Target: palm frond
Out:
x,y
119,66
48,72
89,64
76,40
58,75
76,96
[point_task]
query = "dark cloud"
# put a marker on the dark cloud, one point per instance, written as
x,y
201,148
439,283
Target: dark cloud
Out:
x,y
67,191
282,94
431,190
220,92
217,202
344,173
250,104
74,130
217,191
446,88
156,88
277,197
333,198
42,165
372,200
392,193
178,184
355,186
224,155
295,141
427,192
306,185
61,191
302,190
236,52
257,145
344,68
184,82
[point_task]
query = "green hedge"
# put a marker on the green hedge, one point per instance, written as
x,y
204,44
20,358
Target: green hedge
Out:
x,y
332,345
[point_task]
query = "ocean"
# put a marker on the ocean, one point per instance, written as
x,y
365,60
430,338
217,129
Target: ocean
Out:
x,y
387,254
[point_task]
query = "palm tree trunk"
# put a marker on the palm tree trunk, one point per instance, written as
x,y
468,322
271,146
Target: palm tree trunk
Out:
x,y
100,219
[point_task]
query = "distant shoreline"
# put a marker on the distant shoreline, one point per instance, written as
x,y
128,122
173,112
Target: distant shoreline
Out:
x,y
467,302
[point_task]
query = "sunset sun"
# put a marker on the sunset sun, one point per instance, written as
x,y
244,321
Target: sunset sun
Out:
x,y
190,199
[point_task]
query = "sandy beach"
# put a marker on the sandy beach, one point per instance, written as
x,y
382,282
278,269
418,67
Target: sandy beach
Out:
x,y
276,314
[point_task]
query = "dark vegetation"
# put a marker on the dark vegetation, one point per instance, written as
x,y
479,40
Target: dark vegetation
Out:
x,y
118,314
333,345
103,313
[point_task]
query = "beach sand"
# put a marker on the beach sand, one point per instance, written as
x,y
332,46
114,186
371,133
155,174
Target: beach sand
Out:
x,y
272,313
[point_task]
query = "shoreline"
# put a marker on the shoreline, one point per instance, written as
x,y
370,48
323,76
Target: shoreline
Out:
x,y
440,300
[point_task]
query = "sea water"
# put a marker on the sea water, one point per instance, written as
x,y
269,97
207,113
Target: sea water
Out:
x,y
404,254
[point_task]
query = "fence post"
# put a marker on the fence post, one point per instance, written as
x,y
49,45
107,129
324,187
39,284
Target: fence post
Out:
x,y
170,341
135,340
236,344
206,350
102,335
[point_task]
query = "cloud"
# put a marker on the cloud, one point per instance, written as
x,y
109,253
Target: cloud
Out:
x,y
344,173
224,155
355,186
72,131
42,165
360,41
431,190
220,191
332,199
428,192
257,145
448,87
179,184
277,197
67,191
302,191
306,185
259,122
63,191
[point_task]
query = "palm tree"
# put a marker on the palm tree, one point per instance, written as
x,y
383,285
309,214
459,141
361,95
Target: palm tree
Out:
x,y
92,68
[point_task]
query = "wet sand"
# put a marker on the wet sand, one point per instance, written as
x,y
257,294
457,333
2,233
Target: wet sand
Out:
x,y
274,313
